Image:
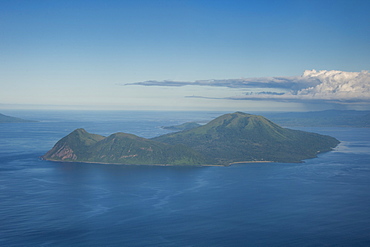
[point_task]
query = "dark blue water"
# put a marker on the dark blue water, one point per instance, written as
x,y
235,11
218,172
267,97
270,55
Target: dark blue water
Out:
x,y
322,202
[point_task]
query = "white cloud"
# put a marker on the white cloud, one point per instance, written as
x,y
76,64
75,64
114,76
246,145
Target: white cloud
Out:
x,y
338,85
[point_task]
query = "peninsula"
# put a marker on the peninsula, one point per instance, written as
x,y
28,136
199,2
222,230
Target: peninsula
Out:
x,y
9,119
231,138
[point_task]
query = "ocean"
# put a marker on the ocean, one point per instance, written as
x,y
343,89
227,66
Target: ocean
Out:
x,y
322,202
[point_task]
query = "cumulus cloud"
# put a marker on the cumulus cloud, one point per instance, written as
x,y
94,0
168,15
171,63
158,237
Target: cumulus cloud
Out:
x,y
337,85
312,85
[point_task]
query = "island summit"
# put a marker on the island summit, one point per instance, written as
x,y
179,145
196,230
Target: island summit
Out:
x,y
231,138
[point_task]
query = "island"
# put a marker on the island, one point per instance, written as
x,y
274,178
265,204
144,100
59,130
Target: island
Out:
x,y
180,127
231,138
326,118
9,119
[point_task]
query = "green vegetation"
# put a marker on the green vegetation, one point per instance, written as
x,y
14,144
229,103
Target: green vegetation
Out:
x,y
184,126
241,137
120,148
236,137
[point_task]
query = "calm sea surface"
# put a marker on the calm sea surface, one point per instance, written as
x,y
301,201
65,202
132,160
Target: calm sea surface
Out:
x,y
322,202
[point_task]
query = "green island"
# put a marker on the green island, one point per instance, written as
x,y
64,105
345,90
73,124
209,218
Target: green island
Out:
x,y
231,138
184,126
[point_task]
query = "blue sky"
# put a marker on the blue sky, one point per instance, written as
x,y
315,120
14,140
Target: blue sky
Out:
x,y
89,54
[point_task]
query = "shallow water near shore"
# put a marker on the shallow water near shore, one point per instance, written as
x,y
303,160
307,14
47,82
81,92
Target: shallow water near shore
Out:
x,y
322,202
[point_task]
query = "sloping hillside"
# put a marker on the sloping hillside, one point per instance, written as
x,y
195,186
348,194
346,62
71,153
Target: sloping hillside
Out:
x,y
244,137
230,138
120,148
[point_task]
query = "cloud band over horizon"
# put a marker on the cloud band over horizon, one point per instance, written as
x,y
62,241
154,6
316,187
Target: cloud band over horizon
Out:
x,y
329,86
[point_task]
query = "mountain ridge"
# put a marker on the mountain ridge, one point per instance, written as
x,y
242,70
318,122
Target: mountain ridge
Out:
x,y
230,138
120,148
240,137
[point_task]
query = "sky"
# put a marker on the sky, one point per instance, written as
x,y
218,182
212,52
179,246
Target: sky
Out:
x,y
225,55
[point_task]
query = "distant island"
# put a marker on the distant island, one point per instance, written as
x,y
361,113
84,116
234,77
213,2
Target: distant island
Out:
x,y
231,138
9,119
180,127
327,118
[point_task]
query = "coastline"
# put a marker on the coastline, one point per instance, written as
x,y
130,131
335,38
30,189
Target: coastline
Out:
x,y
204,165
123,164
250,162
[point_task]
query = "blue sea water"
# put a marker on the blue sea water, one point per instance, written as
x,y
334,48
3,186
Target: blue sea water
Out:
x,y
322,202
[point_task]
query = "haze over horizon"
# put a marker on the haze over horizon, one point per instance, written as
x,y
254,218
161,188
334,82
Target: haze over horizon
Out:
x,y
185,55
